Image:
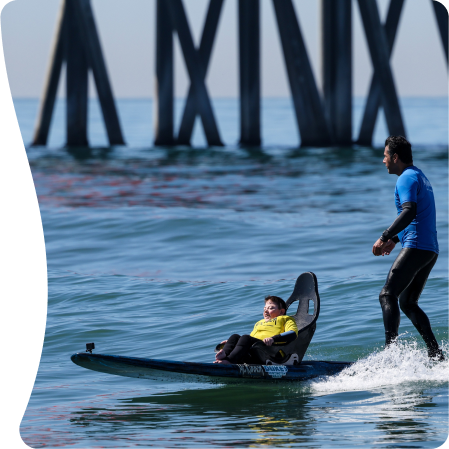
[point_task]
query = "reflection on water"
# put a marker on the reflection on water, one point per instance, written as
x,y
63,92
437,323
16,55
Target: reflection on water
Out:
x,y
232,179
228,415
259,179
264,416
408,413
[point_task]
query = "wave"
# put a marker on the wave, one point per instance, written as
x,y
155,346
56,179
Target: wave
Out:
x,y
401,363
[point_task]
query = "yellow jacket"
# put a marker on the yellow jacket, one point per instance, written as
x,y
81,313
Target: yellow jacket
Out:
x,y
279,325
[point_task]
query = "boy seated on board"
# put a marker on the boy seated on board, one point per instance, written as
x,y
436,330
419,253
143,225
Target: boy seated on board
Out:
x,y
275,328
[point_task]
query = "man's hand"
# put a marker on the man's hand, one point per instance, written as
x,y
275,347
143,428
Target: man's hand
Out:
x,y
268,341
388,248
379,247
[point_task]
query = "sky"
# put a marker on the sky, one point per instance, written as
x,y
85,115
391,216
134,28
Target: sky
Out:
x,y
127,34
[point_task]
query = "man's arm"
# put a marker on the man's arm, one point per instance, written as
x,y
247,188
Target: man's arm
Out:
x,y
407,215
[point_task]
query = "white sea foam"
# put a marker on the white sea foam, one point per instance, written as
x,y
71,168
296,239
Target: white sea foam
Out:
x,y
400,364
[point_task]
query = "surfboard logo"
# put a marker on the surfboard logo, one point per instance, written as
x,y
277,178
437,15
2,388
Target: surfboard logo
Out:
x,y
275,371
251,370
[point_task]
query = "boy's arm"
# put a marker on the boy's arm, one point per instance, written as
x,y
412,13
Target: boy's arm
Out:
x,y
284,338
290,325
290,334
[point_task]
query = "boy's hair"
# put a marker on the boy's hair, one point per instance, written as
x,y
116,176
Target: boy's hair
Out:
x,y
278,301
401,146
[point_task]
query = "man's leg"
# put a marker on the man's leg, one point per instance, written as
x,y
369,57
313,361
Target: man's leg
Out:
x,y
408,301
404,269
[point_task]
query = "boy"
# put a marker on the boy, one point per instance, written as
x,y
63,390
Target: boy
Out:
x,y
275,328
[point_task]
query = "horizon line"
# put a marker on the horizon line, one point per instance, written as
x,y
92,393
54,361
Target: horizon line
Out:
x,y
143,98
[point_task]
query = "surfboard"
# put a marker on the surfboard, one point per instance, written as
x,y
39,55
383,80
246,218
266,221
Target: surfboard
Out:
x,y
305,293
164,370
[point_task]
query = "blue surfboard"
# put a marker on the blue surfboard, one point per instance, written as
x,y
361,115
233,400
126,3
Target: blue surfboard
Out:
x,y
200,372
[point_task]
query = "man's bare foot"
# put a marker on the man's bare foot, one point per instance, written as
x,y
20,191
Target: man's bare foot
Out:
x,y
224,362
220,355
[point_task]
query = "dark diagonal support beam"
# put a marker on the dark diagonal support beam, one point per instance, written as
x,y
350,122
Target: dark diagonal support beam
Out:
x,y
51,86
373,101
337,67
249,63
92,47
309,111
195,69
378,47
205,51
442,21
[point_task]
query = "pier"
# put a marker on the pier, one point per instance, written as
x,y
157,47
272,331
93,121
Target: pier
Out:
x,y
323,118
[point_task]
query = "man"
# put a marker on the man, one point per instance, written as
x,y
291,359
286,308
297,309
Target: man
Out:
x,y
415,227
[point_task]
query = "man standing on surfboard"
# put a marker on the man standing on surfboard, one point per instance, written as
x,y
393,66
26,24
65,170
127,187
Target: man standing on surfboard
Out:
x,y
415,227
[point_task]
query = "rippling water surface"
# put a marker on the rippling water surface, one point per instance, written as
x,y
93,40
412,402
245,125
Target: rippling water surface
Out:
x,y
161,253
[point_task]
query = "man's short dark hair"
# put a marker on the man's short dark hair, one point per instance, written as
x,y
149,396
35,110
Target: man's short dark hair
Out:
x,y
401,146
278,301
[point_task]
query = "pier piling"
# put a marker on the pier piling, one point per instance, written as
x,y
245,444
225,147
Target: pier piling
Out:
x,y
310,117
380,56
337,67
442,22
195,70
76,81
322,119
91,48
249,63
373,101
78,45
164,96
205,51
51,87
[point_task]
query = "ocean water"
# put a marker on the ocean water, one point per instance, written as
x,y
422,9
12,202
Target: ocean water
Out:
x,y
163,252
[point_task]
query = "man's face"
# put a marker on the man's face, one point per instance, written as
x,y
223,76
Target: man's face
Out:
x,y
271,310
390,162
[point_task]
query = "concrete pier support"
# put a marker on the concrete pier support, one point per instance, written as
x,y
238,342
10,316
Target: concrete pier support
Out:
x,y
442,21
195,70
336,16
373,101
322,120
78,44
92,52
51,86
205,51
249,63
164,96
310,116
380,55
77,78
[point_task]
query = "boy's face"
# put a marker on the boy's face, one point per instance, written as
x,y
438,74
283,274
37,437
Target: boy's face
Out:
x,y
271,310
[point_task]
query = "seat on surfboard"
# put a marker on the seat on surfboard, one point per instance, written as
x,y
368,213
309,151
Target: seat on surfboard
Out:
x,y
306,293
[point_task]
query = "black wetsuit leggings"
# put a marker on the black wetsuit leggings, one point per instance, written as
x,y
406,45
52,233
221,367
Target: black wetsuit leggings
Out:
x,y
406,281
237,348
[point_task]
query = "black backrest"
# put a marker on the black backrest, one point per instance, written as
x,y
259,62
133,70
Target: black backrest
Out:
x,y
306,293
